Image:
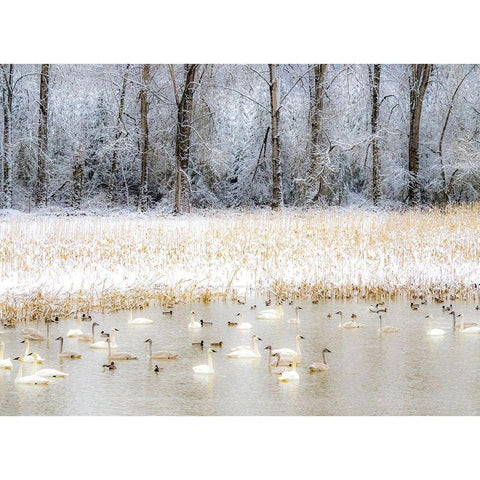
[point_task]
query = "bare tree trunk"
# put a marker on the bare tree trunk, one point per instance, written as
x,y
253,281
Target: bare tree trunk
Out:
x,y
446,189
6,194
316,170
182,144
77,178
375,84
41,187
118,134
418,86
143,200
277,188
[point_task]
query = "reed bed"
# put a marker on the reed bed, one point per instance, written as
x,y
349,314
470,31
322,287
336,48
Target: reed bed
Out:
x,y
55,265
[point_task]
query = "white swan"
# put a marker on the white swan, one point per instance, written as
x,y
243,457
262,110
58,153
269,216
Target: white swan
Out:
x,y
434,331
241,324
47,372
139,320
290,375
386,328
348,324
287,354
27,358
103,343
296,319
119,355
463,325
463,329
248,352
29,379
160,355
88,337
76,332
271,313
5,363
320,366
206,369
194,323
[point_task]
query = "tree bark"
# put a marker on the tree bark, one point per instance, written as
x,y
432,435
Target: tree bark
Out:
x,y
41,187
77,178
418,86
118,134
183,138
143,200
375,85
316,170
277,187
6,194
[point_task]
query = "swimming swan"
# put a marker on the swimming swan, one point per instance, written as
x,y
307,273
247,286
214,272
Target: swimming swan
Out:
x,y
296,319
469,329
119,355
387,328
67,353
249,352
139,320
103,343
320,366
290,375
47,372
27,358
194,323
88,337
206,369
434,331
160,355
463,325
241,324
271,313
348,324
287,354
76,332
5,363
29,379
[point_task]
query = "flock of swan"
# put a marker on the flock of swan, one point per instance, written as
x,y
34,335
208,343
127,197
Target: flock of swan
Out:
x,y
281,361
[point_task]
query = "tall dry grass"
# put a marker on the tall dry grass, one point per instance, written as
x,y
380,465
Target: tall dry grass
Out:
x,y
54,265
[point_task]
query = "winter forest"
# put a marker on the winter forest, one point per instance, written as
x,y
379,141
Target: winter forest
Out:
x,y
177,137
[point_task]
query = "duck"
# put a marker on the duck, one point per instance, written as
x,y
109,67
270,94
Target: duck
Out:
x,y
253,307
217,344
76,331
320,366
67,353
271,313
103,343
414,306
206,369
203,323
110,366
232,324
198,344
448,308
29,379
46,372
5,363
157,369
243,325
139,320
248,352
296,319
350,324
386,328
435,332
119,355
86,318
194,323
167,312
162,354
287,354
290,375
88,337
26,356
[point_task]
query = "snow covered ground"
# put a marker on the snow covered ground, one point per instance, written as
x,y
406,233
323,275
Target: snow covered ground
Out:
x,y
63,262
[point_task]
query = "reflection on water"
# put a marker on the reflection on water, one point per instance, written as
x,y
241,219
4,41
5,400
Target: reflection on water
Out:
x,y
408,373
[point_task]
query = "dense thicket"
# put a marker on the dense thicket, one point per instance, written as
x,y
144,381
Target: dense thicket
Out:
x,y
201,135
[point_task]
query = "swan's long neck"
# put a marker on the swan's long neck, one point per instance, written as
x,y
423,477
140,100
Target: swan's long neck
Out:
x,y
341,320
297,314
255,346
27,348
93,331
455,321
150,349
109,348
2,350
210,361
297,341
79,321
269,357
430,323
381,321
112,336
294,364
20,371
462,327
61,344
35,363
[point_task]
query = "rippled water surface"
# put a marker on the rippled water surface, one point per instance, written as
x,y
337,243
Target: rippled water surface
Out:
x,y
408,373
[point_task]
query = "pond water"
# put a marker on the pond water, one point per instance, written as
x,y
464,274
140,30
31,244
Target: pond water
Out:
x,y
408,373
